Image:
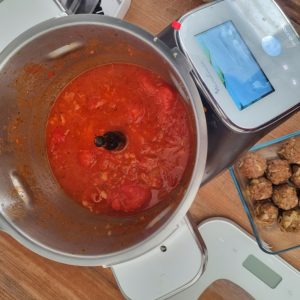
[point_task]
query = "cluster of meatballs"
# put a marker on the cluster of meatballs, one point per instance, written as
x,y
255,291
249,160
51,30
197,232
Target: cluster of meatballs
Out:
x,y
274,185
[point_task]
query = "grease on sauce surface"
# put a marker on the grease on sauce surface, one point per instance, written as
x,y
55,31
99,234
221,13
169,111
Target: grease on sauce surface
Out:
x,y
148,111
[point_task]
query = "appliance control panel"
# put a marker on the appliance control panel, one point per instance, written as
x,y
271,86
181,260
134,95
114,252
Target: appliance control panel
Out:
x,y
246,57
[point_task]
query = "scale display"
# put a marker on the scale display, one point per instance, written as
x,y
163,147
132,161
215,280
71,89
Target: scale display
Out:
x,y
234,64
262,271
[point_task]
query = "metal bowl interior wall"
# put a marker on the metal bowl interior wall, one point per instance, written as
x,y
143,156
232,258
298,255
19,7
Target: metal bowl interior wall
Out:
x,y
33,69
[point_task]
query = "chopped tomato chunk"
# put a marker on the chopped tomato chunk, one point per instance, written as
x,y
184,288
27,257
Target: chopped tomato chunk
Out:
x,y
148,85
129,198
94,102
166,97
58,137
86,158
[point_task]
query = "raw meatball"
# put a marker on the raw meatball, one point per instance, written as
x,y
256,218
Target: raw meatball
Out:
x,y
278,171
266,212
296,176
290,151
285,196
290,220
252,165
260,188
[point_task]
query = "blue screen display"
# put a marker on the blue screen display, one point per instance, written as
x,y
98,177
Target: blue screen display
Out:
x,y
234,64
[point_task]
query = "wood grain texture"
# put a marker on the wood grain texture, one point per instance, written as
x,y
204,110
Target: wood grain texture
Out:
x,y
25,275
224,289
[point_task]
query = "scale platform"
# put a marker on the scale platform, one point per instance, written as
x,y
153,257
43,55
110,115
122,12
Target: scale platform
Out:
x,y
183,272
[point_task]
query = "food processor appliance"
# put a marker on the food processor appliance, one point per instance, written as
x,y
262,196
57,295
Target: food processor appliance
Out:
x,y
243,57
262,50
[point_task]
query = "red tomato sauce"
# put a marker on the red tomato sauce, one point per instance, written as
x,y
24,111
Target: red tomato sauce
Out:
x,y
148,111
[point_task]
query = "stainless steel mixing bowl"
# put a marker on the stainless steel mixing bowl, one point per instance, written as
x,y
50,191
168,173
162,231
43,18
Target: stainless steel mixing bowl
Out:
x,y
34,209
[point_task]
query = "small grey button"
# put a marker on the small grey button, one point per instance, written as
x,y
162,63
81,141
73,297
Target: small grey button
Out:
x,y
271,45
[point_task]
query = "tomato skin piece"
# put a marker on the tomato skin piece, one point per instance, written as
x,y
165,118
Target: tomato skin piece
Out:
x,y
152,179
147,85
58,137
164,94
136,113
86,158
130,198
166,97
94,102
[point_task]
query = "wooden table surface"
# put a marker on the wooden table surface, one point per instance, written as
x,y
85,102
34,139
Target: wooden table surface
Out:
x,y
25,275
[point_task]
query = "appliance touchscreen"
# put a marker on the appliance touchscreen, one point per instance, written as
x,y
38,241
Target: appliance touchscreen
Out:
x,y
234,64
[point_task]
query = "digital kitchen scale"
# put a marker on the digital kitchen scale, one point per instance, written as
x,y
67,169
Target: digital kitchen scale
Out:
x,y
174,270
